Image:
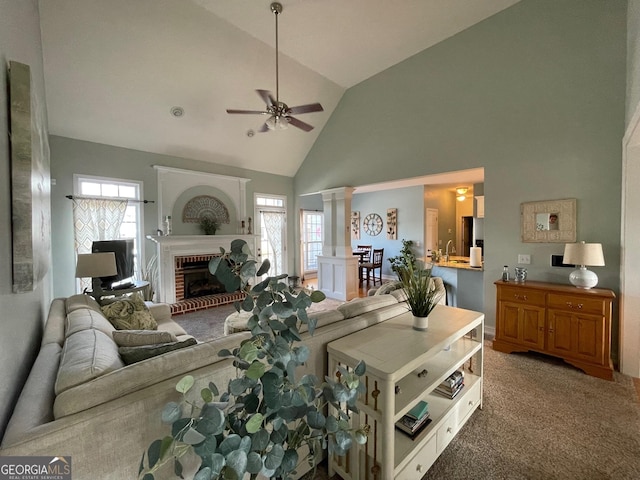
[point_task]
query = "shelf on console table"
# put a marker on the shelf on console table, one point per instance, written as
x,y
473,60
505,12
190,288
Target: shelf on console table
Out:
x,y
395,354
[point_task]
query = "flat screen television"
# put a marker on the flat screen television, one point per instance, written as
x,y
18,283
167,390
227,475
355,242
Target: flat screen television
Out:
x,y
123,250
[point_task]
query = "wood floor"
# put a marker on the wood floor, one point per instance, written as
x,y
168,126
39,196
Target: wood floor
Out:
x,y
362,290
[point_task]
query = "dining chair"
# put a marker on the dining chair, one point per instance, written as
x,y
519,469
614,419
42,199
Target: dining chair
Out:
x,y
364,256
375,264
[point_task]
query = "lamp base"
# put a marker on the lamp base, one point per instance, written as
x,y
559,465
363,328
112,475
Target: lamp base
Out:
x,y
583,278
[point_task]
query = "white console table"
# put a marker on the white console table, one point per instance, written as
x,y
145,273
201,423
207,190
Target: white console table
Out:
x,y
397,357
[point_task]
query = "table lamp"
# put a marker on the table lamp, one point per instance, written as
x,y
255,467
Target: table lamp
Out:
x,y
583,255
96,265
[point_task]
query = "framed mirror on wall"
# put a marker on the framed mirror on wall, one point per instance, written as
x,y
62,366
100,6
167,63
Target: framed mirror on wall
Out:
x,y
550,221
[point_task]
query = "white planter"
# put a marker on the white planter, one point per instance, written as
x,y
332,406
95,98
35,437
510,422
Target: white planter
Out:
x,y
420,323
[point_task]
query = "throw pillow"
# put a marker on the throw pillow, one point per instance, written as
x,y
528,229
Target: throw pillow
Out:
x,y
131,355
129,313
136,338
388,288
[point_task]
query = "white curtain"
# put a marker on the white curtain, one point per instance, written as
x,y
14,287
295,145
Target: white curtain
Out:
x,y
96,219
273,225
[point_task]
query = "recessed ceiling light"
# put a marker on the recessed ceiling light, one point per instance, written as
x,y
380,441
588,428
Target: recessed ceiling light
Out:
x,y
250,133
177,111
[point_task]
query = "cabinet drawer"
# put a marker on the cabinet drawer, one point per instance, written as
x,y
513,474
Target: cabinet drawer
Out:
x,y
576,303
420,463
470,401
521,295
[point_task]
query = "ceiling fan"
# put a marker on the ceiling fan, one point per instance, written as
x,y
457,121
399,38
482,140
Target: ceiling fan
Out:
x,y
280,115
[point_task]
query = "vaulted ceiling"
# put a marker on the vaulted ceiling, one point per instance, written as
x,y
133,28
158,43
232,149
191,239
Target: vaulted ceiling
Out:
x,y
115,69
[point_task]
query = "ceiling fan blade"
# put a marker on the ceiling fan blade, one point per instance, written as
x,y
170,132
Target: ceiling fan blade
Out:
x,y
312,107
267,97
259,112
300,124
263,128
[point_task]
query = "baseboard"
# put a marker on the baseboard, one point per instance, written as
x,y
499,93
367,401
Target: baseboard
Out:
x,y
489,332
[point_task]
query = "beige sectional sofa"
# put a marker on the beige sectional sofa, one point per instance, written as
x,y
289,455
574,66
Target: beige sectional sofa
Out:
x,y
81,400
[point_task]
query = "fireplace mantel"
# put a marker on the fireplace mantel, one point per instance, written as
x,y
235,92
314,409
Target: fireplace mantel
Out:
x,y
171,246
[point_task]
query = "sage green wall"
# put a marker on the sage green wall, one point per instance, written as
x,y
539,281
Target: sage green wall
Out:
x,y
408,201
69,157
534,94
22,314
633,58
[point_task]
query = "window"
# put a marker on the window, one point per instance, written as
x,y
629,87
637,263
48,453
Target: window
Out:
x,y
99,187
311,240
271,215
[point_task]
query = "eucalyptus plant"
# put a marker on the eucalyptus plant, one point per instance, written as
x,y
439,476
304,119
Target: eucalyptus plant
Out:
x,y
266,414
235,269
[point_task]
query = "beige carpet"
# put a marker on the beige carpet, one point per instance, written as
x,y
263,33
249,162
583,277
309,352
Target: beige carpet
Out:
x,y
542,419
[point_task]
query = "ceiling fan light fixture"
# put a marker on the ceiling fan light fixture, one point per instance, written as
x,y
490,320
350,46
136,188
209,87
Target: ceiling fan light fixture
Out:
x,y
461,190
277,123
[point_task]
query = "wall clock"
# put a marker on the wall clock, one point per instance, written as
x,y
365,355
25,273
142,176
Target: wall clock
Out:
x,y
373,224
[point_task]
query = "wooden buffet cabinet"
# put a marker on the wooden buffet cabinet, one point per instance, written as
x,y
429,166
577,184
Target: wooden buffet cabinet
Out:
x,y
560,320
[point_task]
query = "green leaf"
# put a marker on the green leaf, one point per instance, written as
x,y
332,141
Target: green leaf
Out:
x,y
185,384
302,353
237,386
255,423
264,268
361,368
203,474
153,453
247,303
289,461
171,412
254,463
256,370
208,447
206,395
316,419
217,464
248,352
317,296
311,325
215,418
343,440
274,457
229,444
260,440
331,424
237,461
251,402
224,353
193,437
177,468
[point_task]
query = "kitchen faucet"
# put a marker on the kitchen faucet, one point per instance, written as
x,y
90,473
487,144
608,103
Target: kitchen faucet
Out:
x,y
446,253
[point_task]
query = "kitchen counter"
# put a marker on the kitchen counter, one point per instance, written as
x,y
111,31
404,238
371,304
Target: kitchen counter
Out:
x,y
457,262
463,283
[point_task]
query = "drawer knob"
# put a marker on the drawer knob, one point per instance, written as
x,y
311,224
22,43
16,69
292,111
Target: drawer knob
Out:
x,y
520,297
470,402
418,468
449,430
571,305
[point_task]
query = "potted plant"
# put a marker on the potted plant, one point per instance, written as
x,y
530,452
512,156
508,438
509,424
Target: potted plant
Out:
x,y
209,225
258,425
405,258
422,294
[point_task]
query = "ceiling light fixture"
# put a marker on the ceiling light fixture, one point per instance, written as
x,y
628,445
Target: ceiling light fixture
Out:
x,y
460,193
177,111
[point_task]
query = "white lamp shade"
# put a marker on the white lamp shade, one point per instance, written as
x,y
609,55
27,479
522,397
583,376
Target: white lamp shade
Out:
x,y
583,255
96,265
588,254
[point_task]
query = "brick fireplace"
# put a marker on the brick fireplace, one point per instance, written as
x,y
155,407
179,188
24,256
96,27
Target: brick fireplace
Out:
x,y
184,280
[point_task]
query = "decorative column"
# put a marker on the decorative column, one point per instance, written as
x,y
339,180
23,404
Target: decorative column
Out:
x,y
337,267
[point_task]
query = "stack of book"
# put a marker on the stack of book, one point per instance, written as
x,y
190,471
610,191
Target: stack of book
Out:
x,y
415,420
451,385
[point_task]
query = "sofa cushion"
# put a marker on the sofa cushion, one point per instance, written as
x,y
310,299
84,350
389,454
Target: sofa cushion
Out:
x,y
131,355
388,288
358,306
86,319
86,355
129,313
136,338
56,321
75,302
